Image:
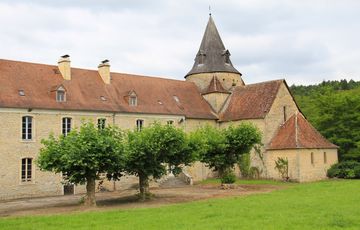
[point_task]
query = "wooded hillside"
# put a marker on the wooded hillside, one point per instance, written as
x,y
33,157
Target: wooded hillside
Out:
x,y
333,107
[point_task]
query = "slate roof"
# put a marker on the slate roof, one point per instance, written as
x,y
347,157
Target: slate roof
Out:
x,y
86,91
251,101
212,53
298,133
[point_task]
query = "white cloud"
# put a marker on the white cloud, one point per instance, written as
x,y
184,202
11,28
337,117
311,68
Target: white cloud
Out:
x,y
303,41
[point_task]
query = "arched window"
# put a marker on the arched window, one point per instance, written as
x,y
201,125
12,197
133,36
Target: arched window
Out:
x,y
26,169
27,127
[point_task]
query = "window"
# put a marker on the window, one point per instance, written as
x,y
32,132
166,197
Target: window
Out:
x,y
101,123
325,158
26,169
170,122
139,125
312,158
226,54
284,113
26,128
201,57
21,92
60,96
66,125
133,101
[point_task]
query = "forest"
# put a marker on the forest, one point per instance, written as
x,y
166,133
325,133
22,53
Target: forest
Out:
x,y
333,108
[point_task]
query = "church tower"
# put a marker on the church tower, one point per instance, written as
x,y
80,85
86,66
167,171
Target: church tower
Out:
x,y
213,72
213,60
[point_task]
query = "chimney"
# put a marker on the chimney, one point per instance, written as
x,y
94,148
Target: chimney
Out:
x,y
64,67
104,71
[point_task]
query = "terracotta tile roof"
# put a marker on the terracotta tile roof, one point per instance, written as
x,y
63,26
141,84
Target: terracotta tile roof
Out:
x,y
215,86
297,132
87,91
251,101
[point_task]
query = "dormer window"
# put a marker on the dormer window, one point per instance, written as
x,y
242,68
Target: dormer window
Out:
x,y
60,94
201,57
226,55
132,98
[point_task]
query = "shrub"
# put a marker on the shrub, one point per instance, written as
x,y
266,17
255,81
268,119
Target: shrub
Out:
x,y
282,165
345,169
228,178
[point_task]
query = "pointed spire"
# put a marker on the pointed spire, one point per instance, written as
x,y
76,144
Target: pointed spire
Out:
x,y
212,55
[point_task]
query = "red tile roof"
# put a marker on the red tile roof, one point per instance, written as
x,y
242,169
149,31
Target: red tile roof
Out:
x,y
296,133
251,101
85,89
215,86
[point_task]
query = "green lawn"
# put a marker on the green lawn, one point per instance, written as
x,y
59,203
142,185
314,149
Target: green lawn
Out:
x,y
321,205
241,181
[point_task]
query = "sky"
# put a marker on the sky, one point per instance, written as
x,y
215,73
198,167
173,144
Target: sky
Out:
x,y
304,42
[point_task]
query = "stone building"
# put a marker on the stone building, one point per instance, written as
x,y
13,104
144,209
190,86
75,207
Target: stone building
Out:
x,y
37,100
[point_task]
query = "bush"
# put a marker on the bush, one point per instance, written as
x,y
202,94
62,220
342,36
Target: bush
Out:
x,y
345,169
228,178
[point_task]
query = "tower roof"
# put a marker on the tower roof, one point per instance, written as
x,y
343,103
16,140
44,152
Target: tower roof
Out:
x,y
212,55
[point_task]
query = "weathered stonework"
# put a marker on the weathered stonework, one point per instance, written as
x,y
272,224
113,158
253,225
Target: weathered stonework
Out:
x,y
228,80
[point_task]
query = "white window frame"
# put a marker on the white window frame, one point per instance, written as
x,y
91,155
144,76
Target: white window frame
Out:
x,y
104,122
139,124
26,178
29,136
60,98
64,121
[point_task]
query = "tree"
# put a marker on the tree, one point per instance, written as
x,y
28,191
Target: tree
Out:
x,y
150,150
222,149
83,155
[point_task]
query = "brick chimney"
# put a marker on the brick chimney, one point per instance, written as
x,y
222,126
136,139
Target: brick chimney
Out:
x,y
104,71
64,67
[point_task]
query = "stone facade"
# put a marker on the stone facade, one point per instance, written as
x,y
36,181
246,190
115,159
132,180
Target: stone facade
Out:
x,y
304,164
213,94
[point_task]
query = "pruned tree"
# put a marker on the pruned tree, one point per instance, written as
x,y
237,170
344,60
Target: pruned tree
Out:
x,y
222,149
83,155
150,150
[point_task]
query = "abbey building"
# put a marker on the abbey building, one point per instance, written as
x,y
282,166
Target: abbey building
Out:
x,y
37,100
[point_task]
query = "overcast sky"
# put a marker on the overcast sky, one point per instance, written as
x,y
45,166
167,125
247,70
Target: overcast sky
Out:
x,y
304,41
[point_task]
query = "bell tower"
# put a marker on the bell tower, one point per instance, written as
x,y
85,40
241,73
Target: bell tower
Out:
x,y
213,61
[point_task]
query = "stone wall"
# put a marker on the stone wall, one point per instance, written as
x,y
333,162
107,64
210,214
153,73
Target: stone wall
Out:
x,y
45,122
301,167
202,80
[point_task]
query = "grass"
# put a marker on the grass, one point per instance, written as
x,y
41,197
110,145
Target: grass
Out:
x,y
242,181
322,205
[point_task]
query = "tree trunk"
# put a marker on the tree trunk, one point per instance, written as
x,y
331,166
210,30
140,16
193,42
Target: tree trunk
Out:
x,y
144,186
90,192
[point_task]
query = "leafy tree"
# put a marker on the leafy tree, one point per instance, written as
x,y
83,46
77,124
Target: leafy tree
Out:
x,y
150,150
222,148
83,155
333,108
